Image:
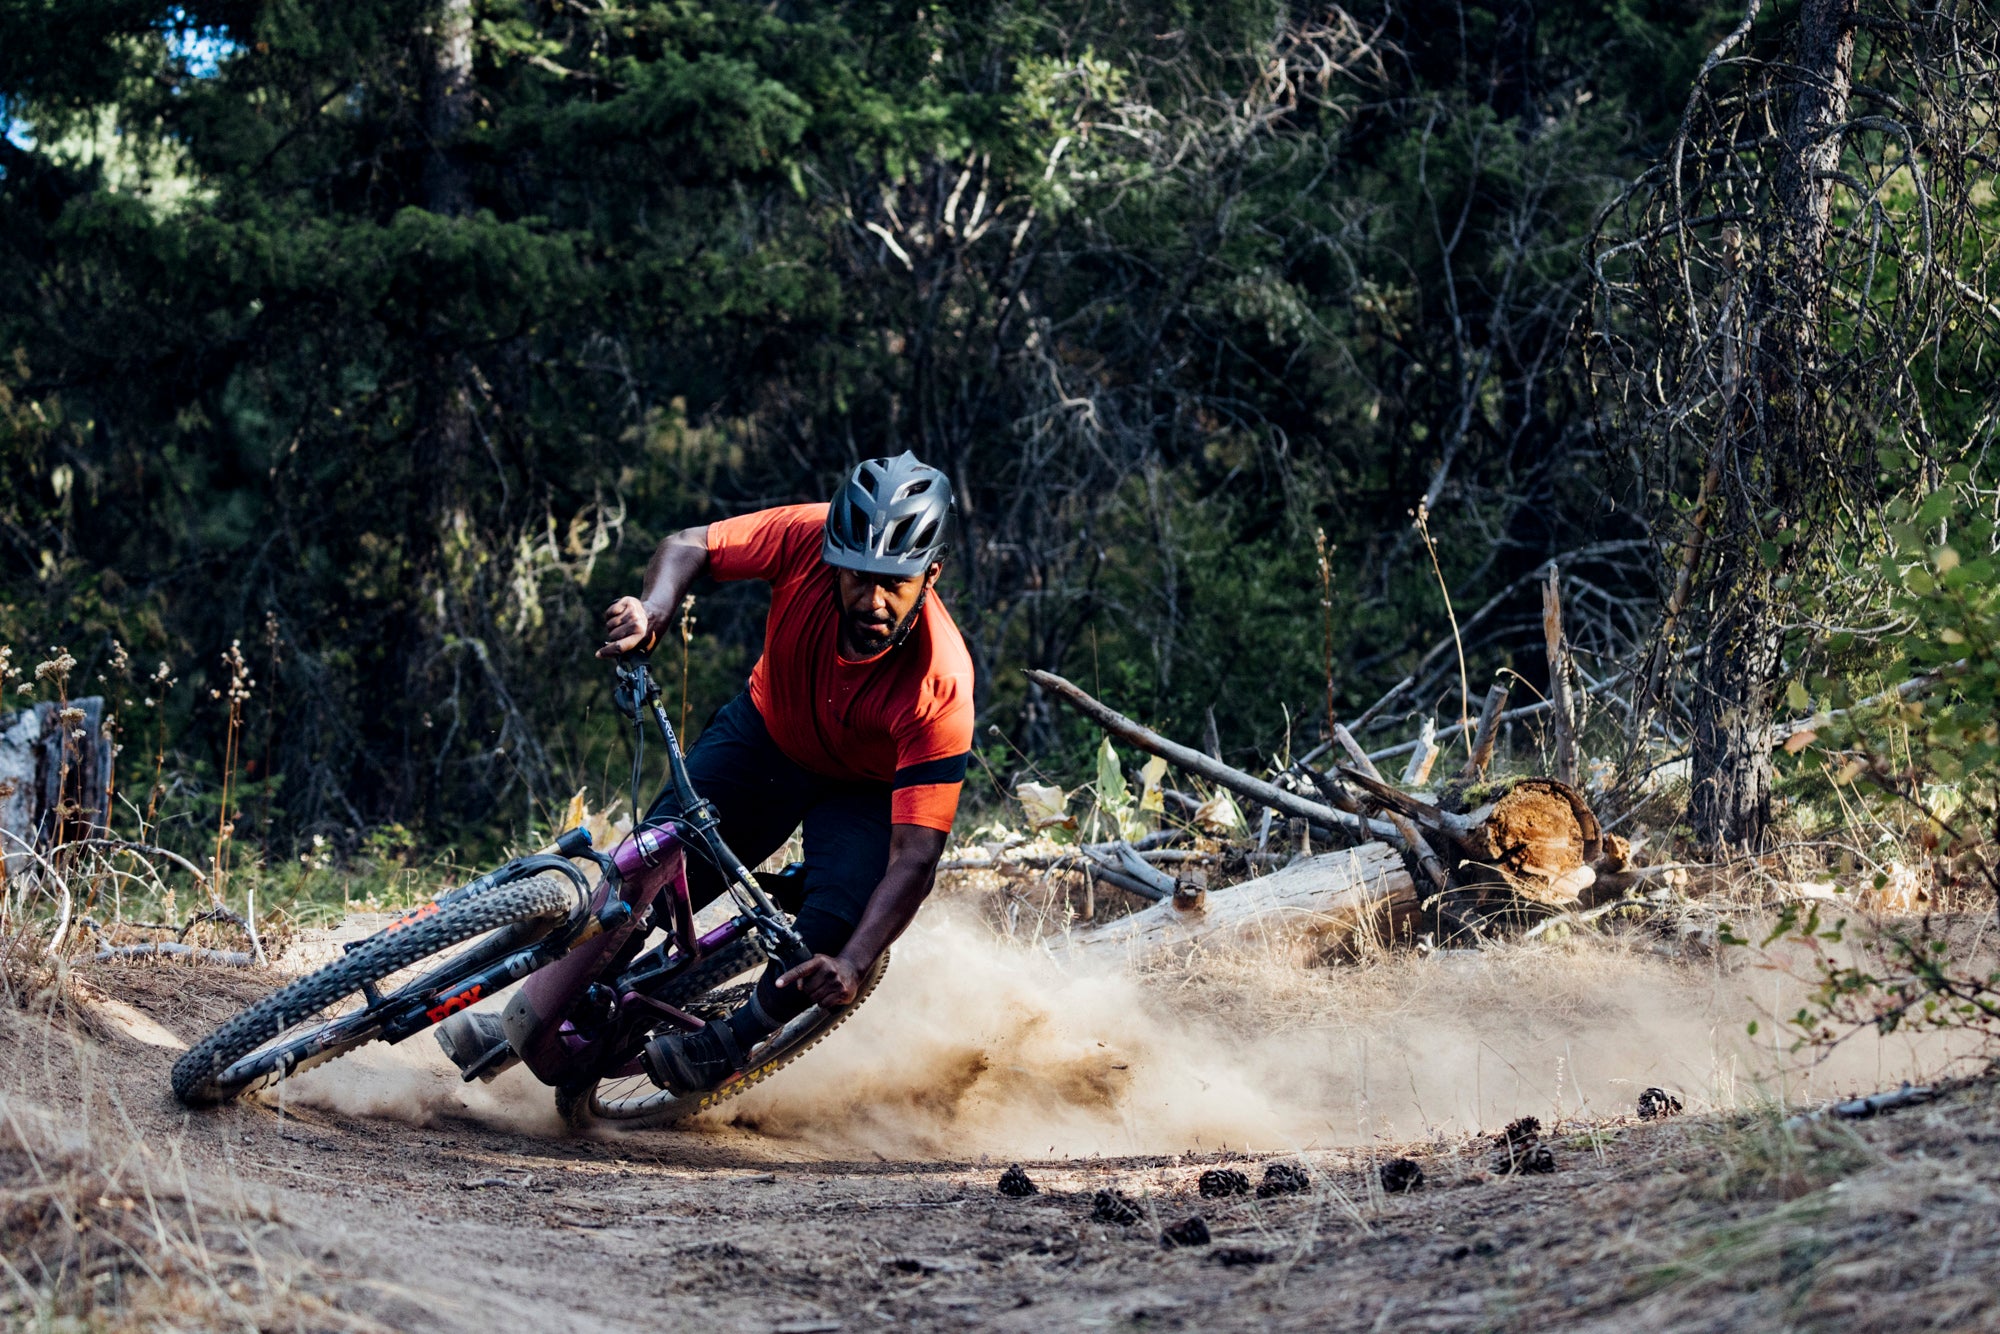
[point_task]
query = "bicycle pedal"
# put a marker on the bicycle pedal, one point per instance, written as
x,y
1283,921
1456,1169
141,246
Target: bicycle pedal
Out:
x,y
498,1059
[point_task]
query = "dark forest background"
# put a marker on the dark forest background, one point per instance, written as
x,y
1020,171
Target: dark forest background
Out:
x,y
384,338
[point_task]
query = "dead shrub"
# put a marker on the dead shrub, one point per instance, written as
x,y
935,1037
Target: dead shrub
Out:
x,y
112,1241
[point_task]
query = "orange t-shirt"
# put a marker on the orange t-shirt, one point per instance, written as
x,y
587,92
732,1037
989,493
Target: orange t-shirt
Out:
x,y
902,717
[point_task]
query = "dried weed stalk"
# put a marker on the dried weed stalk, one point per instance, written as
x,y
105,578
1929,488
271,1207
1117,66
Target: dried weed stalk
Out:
x,y
105,1236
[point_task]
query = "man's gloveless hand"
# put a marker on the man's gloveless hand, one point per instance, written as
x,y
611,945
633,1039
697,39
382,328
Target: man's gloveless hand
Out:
x,y
824,979
628,625
631,624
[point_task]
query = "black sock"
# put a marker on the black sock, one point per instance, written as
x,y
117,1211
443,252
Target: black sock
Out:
x,y
752,1023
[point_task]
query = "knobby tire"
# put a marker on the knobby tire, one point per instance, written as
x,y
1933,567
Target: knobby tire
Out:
x,y
197,1077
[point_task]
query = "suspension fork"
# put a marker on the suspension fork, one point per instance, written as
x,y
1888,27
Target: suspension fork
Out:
x,y
700,819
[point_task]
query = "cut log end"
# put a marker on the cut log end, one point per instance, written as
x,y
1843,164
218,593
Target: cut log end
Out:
x,y
1543,840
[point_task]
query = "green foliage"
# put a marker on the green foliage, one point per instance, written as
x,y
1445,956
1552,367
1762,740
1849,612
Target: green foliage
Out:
x,y
1925,754
421,381
1118,814
1930,742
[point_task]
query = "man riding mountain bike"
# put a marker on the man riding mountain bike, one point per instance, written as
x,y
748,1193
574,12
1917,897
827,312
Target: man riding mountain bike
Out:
x,y
857,725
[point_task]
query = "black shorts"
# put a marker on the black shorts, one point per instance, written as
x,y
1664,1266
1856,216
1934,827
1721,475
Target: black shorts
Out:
x,y
762,797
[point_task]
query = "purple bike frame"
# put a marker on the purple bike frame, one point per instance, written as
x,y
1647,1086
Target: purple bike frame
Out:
x,y
652,865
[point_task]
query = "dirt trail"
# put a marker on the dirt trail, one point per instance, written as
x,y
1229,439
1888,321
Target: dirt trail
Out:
x,y
425,1212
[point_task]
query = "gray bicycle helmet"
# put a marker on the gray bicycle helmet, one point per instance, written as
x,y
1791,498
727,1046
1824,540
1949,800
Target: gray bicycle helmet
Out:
x,y
889,517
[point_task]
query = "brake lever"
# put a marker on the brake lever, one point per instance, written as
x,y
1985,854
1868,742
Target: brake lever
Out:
x,y
633,688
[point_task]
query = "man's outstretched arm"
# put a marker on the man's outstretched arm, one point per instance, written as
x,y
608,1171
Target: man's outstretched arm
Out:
x,y
633,623
832,979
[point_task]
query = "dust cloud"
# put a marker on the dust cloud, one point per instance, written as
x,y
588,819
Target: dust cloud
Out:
x,y
975,1046
416,1083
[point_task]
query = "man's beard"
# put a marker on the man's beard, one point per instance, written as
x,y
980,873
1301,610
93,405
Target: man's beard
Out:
x,y
869,639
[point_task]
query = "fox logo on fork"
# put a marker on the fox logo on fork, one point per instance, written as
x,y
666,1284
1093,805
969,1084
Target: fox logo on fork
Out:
x,y
451,1005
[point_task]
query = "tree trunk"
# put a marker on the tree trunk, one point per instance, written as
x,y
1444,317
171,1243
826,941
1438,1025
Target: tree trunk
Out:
x,y
439,515
444,413
1775,447
1513,93
447,105
55,779
1730,761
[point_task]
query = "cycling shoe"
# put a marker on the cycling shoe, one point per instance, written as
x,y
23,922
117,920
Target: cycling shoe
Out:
x,y
477,1045
684,1063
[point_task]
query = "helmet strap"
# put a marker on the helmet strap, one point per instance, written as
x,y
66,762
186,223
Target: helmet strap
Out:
x,y
902,631
910,621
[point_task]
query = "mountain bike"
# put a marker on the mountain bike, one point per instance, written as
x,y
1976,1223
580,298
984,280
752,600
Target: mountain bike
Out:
x,y
592,993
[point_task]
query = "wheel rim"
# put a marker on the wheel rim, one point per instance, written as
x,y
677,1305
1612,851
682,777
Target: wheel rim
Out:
x,y
636,1098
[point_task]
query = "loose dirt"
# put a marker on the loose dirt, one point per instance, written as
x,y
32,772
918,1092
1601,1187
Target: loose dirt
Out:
x,y
854,1195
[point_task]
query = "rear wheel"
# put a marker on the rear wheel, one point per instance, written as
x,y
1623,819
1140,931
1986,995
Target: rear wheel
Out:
x,y
634,1100
329,1013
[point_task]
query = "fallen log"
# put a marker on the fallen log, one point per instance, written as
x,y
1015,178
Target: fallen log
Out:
x,y
1135,866
1042,863
225,958
1412,842
1354,751
1333,898
1194,762
1536,836
1126,870
1415,843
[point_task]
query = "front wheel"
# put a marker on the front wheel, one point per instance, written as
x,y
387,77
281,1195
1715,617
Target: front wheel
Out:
x,y
331,1012
633,1100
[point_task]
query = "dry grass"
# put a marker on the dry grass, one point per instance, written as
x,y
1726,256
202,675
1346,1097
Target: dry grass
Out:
x,y
108,1237
101,1228
1722,1220
28,976
1881,1225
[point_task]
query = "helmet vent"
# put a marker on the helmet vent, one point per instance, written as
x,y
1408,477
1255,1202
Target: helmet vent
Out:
x,y
890,517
